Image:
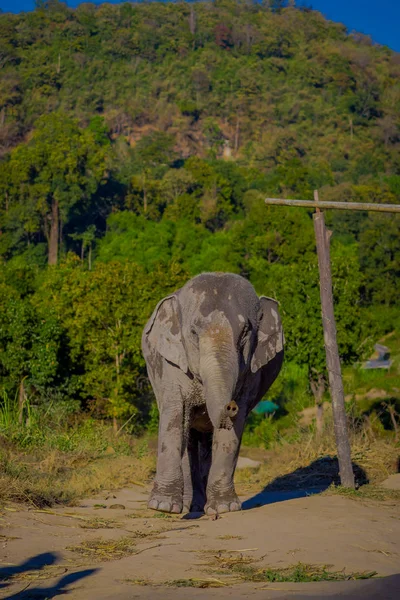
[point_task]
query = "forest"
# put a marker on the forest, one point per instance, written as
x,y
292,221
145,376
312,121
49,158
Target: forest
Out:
x,y
137,144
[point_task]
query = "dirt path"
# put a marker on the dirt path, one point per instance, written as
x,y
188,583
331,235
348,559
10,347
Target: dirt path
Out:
x,y
125,547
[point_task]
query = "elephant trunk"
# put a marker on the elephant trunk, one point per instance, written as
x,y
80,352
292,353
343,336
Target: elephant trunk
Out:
x,y
219,373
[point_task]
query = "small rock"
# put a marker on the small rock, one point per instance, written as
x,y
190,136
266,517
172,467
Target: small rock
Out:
x,y
247,463
120,506
392,482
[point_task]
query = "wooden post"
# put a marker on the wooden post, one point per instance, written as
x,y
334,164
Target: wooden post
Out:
x,y
331,348
328,318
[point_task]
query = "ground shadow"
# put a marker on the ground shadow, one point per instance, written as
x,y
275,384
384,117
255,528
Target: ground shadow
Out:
x,y
382,588
305,481
38,563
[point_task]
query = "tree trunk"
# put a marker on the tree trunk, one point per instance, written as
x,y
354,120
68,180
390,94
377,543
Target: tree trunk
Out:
x,y
319,419
237,134
192,21
90,257
332,352
21,402
392,414
54,232
144,193
60,237
115,422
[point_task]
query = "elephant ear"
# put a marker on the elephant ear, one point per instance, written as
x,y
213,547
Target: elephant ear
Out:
x,y
270,339
163,333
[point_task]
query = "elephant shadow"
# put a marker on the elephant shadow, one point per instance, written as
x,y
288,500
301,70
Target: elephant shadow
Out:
x,y
38,563
304,481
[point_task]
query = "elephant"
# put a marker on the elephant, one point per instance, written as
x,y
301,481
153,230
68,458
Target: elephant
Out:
x,y
212,350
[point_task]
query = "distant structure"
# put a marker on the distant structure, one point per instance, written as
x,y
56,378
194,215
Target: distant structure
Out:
x,y
382,362
265,407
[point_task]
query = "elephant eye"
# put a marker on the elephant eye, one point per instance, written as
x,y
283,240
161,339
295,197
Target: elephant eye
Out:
x,y
193,332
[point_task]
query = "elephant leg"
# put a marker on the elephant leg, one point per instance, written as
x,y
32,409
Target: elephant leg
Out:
x,y
196,465
187,468
221,494
167,493
205,453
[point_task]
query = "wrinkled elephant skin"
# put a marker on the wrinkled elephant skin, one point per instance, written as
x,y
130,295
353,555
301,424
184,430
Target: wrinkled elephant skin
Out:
x,y
212,350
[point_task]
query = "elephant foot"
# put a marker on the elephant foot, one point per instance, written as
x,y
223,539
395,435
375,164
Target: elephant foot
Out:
x,y
218,507
165,504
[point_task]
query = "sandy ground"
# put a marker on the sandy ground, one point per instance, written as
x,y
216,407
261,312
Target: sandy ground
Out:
x,y
36,562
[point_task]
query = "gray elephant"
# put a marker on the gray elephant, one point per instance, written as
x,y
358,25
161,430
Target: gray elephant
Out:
x,y
212,350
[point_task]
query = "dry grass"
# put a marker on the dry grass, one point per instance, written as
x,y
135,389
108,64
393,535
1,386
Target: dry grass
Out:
x,y
367,492
101,549
210,582
63,478
311,462
99,523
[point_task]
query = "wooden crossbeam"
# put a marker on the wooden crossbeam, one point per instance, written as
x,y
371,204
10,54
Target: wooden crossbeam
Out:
x,y
369,206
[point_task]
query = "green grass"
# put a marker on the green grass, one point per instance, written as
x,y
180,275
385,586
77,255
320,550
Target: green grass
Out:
x,y
247,569
301,573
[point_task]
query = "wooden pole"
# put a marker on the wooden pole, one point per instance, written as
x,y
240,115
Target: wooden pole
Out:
x,y
331,348
370,206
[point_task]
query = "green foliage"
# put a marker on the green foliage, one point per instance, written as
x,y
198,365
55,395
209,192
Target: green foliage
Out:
x,y
59,167
102,313
144,138
29,343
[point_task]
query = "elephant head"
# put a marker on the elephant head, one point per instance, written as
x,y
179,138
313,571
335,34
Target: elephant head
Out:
x,y
217,330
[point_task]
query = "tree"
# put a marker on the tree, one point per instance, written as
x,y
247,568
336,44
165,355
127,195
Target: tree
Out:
x,y
87,238
29,346
103,312
61,166
296,287
380,258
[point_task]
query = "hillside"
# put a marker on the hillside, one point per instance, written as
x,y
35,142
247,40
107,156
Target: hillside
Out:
x,y
273,85
137,144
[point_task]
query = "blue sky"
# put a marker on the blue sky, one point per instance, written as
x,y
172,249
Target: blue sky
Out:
x,y
378,18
